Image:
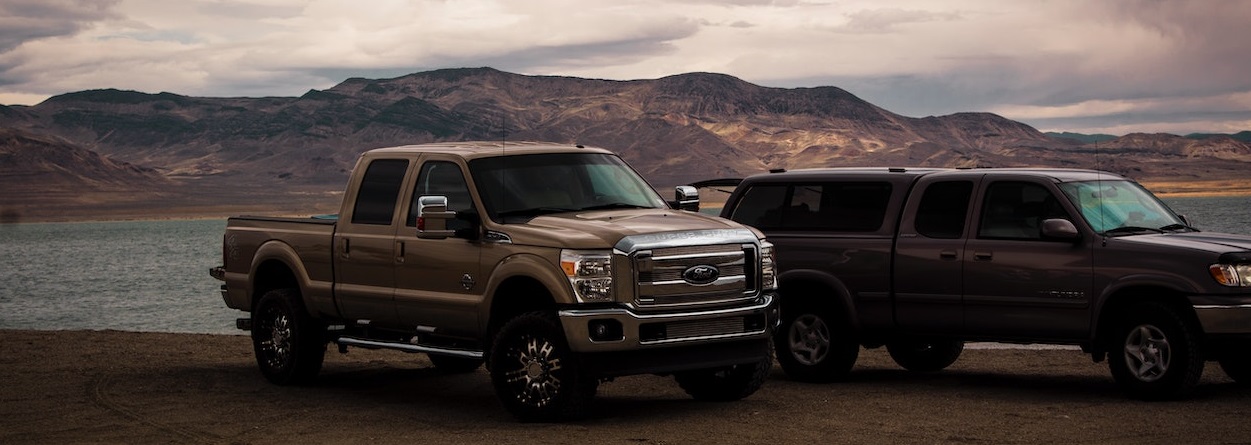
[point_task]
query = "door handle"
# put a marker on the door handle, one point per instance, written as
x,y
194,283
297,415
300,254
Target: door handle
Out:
x,y
347,248
948,255
983,256
399,252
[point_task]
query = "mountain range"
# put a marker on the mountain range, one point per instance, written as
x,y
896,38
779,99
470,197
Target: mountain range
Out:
x,y
217,153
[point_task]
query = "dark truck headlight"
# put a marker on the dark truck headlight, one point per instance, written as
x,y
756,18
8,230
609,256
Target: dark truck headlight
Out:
x,y
1233,275
768,267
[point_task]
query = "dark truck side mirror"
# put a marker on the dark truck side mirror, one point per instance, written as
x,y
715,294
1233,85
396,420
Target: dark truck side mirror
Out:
x,y
686,198
432,218
1059,229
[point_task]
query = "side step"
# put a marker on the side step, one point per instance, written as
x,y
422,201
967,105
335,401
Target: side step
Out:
x,y
406,347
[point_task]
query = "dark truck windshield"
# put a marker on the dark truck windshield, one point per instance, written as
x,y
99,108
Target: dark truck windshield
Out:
x,y
1124,207
531,185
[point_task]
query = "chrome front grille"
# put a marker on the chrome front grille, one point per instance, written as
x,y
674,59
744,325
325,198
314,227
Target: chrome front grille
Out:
x,y
667,277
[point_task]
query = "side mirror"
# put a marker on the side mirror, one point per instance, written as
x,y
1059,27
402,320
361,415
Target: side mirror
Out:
x,y
686,197
432,218
1061,229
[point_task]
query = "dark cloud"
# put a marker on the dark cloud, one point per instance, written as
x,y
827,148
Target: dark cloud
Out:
x,y
25,20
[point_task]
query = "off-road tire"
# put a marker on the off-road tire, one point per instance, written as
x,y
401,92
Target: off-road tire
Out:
x,y
1154,353
814,345
535,374
449,364
725,384
289,344
925,355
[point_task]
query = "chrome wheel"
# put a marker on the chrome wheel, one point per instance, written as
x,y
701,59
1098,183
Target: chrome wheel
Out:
x,y
809,340
1147,353
535,372
276,347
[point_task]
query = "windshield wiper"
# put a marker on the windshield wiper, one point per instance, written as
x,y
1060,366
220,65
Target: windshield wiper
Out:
x,y
615,205
1177,227
1125,230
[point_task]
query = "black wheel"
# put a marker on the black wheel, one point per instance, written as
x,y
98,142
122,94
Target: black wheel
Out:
x,y
289,344
925,355
725,384
814,346
1155,354
535,374
454,365
1237,365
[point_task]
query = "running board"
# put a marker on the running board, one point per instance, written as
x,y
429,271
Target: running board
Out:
x,y
407,347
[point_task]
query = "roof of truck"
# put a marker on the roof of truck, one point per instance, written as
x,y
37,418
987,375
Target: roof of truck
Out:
x,y
817,174
484,149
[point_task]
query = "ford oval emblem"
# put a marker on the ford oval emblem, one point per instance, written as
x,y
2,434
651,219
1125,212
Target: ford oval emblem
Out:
x,y
701,275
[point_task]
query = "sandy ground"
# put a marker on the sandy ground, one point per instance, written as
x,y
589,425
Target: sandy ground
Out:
x,y
60,387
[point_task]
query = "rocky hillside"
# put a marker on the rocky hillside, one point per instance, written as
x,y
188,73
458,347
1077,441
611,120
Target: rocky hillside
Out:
x,y
674,130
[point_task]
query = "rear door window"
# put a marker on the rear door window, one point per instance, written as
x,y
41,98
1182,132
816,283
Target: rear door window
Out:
x,y
818,206
943,209
378,192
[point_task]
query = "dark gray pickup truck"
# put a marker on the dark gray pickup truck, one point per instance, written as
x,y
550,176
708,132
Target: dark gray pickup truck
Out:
x,y
922,260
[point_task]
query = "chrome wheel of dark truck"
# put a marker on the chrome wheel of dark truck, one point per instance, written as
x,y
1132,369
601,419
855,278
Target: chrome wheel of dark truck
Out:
x,y
811,347
289,345
1158,354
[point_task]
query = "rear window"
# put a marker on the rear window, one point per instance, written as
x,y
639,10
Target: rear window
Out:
x,y
820,206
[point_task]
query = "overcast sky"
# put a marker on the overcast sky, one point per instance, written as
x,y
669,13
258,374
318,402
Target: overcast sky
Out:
x,y
1109,66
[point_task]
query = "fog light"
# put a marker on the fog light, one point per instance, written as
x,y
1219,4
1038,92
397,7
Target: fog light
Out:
x,y
606,330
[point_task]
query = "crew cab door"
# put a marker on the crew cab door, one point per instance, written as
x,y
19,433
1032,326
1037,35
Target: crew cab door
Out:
x,y
364,243
928,278
1016,281
438,281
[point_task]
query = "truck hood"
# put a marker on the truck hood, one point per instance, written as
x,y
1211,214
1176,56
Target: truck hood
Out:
x,y
604,229
1214,242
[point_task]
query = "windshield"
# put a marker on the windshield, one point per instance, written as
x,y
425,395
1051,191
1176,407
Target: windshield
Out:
x,y
532,185
1120,206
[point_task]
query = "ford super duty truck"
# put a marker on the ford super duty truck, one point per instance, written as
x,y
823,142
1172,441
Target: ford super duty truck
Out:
x,y
922,260
557,266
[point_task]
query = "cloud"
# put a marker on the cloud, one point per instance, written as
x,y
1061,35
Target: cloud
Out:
x,y
1117,60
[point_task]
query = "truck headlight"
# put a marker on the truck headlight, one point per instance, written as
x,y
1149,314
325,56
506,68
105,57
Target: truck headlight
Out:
x,y
590,273
768,267
1235,275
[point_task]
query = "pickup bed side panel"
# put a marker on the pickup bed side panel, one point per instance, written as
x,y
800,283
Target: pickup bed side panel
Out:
x,y
284,252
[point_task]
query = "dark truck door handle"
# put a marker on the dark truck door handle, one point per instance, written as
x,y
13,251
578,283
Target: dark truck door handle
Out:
x,y
983,256
399,250
947,254
347,248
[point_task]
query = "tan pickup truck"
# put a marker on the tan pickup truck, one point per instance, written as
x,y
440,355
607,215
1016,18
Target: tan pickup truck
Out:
x,y
556,265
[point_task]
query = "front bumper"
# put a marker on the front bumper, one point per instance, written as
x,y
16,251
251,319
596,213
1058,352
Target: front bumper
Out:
x,y
624,329
1224,319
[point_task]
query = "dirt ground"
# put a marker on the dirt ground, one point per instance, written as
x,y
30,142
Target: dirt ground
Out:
x,y
59,387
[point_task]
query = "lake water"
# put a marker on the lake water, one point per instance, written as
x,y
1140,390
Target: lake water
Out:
x,y
152,276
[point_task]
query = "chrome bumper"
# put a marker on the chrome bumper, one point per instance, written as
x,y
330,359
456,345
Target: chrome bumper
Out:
x,y
623,329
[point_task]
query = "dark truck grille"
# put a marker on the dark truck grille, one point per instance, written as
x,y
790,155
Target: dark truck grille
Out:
x,y
680,276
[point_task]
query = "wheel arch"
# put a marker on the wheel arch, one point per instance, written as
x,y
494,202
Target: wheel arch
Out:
x,y
276,266
520,284
810,287
1118,303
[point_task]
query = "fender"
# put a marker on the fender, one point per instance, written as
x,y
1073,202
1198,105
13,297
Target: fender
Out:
x,y
839,298
1173,283
317,295
528,265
